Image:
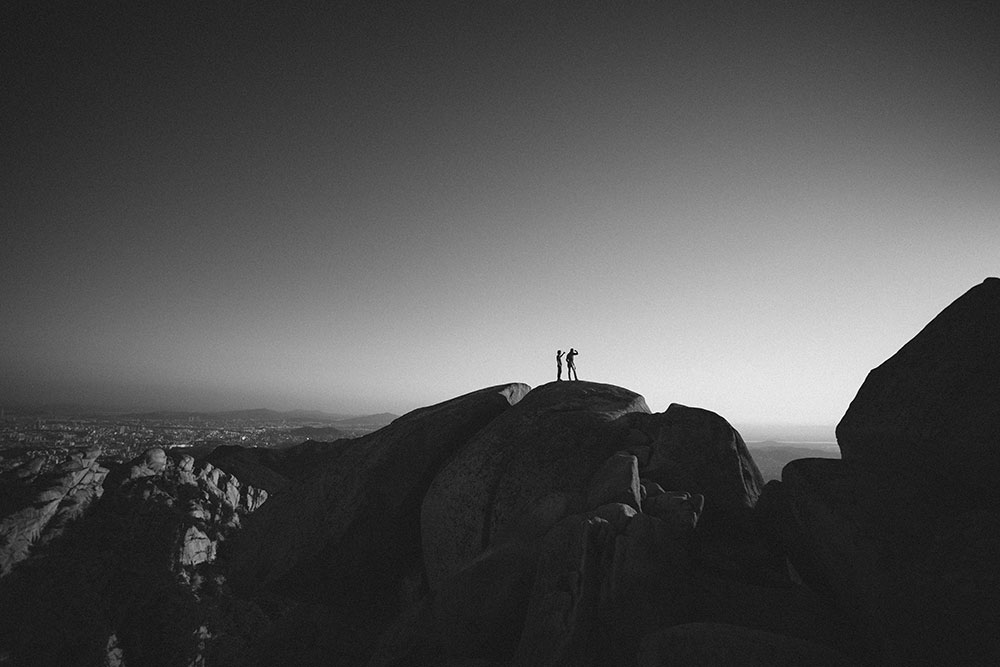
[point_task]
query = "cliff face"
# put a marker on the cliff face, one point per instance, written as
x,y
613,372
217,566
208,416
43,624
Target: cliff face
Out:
x,y
562,525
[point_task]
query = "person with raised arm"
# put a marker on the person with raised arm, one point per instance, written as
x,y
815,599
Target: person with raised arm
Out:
x,y
571,364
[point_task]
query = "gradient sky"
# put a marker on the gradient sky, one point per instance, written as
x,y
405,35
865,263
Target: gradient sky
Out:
x,y
739,206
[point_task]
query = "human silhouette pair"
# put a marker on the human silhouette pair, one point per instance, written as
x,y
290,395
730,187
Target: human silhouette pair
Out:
x,y
570,364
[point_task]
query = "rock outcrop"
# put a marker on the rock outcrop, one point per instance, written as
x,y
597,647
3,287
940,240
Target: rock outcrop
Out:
x,y
934,406
38,506
568,529
135,581
553,440
698,451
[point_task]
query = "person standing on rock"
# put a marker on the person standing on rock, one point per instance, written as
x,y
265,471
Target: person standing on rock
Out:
x,y
559,364
571,364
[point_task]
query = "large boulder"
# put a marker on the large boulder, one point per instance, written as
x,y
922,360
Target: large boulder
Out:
x,y
351,529
697,451
903,534
616,481
552,441
935,404
702,461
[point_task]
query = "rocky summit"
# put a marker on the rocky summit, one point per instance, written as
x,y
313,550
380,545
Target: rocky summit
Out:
x,y
511,527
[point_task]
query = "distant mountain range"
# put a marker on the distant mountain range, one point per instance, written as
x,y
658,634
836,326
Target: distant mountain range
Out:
x,y
256,414
381,419
771,456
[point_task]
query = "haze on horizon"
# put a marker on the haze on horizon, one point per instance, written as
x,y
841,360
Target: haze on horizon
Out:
x,y
738,206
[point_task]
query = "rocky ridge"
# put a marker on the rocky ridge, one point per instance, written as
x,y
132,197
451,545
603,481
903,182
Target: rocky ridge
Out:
x,y
37,507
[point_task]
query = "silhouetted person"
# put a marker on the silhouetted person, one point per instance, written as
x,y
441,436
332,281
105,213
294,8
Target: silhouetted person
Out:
x,y
559,364
571,364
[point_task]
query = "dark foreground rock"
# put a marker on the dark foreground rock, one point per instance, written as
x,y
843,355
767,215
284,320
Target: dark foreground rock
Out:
x,y
916,568
903,534
721,645
934,406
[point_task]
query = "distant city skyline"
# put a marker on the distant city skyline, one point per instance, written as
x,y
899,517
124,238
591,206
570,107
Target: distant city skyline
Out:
x,y
358,209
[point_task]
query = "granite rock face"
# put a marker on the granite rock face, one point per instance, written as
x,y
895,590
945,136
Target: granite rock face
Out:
x,y
135,581
209,503
698,451
559,586
39,506
935,405
548,542
480,610
552,441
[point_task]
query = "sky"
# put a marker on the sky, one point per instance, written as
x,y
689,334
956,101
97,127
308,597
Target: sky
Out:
x,y
363,207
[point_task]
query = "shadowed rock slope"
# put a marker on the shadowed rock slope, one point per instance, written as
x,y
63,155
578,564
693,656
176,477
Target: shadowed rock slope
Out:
x,y
934,406
350,529
903,534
